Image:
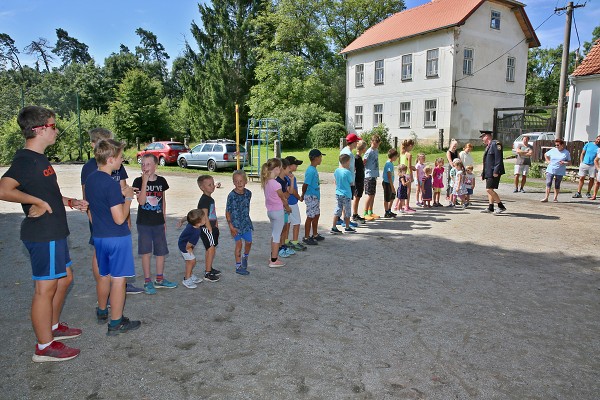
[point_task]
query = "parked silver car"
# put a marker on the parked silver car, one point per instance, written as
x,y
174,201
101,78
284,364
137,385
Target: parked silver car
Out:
x,y
213,155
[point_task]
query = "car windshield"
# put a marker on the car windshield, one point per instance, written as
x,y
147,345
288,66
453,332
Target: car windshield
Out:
x,y
231,148
533,137
177,146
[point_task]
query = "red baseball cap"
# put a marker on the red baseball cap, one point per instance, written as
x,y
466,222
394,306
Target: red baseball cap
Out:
x,y
352,138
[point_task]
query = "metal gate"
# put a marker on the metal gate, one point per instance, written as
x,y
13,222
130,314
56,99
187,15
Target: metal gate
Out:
x,y
511,122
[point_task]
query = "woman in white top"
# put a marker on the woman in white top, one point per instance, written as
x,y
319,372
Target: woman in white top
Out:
x,y
465,155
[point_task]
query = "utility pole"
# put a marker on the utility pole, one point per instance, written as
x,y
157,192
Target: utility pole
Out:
x,y
564,69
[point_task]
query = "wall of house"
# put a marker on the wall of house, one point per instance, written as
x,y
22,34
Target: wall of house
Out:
x,y
583,111
395,90
487,88
461,111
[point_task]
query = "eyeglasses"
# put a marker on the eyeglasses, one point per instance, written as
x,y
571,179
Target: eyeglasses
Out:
x,y
558,144
51,126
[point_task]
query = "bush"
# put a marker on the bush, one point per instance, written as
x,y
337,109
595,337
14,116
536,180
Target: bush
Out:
x,y
535,171
295,122
384,133
11,140
326,134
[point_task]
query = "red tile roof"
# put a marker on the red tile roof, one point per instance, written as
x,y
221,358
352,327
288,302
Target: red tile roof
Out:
x,y
591,64
430,17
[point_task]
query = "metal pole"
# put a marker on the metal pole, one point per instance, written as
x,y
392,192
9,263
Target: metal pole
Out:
x,y
79,127
237,134
564,70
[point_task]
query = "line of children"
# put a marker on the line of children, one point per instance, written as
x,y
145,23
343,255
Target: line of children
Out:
x,y
276,204
343,194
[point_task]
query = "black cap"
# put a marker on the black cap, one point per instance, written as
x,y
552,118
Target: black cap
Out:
x,y
293,160
483,133
315,153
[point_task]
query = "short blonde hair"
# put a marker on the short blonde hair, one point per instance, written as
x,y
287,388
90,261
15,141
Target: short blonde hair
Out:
x,y
105,149
98,134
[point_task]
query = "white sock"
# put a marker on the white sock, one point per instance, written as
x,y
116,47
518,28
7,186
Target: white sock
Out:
x,y
43,346
54,326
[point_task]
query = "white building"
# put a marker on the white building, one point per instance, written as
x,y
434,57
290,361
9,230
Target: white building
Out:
x,y
443,65
583,112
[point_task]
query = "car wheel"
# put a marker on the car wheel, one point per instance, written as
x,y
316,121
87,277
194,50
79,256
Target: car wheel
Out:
x,y
162,161
139,159
183,163
211,165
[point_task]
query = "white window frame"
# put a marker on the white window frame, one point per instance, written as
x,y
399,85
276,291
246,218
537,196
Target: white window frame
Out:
x,y
377,114
468,54
407,67
405,114
511,63
430,107
359,75
379,72
432,63
495,18
358,116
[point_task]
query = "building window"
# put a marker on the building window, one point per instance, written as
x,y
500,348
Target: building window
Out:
x,y
379,72
430,113
407,67
405,114
510,69
432,62
358,116
359,75
495,20
377,114
468,62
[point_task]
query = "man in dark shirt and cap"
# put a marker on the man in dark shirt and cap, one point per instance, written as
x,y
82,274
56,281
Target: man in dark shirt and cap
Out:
x,y
493,168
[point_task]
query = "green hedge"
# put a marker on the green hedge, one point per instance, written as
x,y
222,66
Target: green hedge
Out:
x,y
326,134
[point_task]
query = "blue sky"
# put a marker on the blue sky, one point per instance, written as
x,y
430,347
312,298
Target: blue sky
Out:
x,y
104,25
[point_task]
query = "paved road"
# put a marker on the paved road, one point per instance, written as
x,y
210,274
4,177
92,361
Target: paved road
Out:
x,y
442,304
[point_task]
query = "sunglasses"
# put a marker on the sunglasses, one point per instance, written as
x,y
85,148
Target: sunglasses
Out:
x,y
51,126
558,144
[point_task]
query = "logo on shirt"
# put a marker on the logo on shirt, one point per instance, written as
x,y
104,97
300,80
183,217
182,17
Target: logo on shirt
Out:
x,y
49,171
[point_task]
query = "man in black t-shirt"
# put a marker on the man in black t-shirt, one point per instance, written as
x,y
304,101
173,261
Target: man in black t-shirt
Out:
x,y
31,181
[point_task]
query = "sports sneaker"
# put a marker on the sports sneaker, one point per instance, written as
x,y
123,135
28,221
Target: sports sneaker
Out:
x,y
149,288
297,246
499,210
63,332
130,289
215,272
241,271
57,351
101,317
318,237
195,279
276,264
357,218
289,250
189,282
245,262
339,222
123,327
369,218
334,230
577,195
375,216
487,211
164,284
211,277
409,210
309,241
516,190
283,253
387,215
588,195
349,230
522,190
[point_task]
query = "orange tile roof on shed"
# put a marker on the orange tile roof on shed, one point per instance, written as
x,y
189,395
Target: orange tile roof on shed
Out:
x,y
430,17
591,64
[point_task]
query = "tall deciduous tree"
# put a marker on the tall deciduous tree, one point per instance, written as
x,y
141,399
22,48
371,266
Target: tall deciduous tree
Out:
x,y
69,49
152,52
9,53
138,109
595,36
223,66
543,75
42,51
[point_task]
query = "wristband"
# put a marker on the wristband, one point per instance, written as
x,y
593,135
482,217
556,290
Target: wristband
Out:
x,y
129,198
70,203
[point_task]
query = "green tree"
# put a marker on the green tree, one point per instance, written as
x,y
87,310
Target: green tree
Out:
x,y
41,49
138,110
118,64
9,53
222,70
595,36
69,49
543,75
152,53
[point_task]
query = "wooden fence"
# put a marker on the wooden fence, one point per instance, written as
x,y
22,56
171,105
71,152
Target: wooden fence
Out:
x,y
542,146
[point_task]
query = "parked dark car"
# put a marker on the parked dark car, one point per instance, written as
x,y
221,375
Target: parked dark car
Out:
x,y
166,151
212,155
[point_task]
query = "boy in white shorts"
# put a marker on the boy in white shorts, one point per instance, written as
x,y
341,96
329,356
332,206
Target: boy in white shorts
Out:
x,y
186,243
294,217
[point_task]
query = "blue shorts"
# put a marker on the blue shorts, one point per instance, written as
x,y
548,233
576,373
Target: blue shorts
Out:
x,y
115,256
49,260
152,237
246,236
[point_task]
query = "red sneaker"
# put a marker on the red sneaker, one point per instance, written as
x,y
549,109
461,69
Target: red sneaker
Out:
x,y
57,351
64,332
